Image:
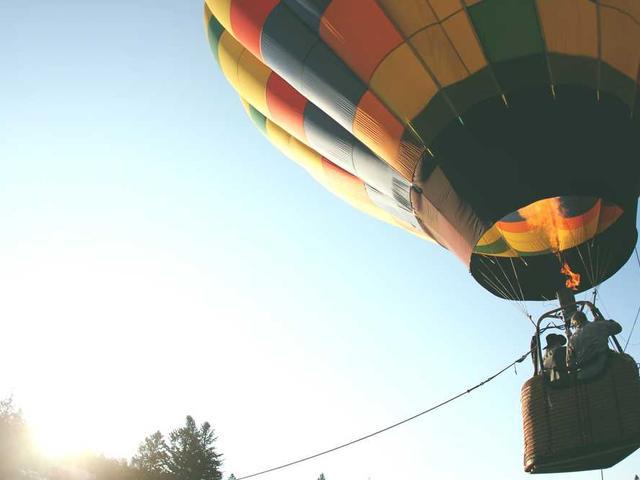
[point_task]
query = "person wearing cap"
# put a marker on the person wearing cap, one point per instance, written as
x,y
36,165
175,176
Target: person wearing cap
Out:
x,y
554,360
589,345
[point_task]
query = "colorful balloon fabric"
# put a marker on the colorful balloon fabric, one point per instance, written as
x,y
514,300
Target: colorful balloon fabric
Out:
x,y
507,131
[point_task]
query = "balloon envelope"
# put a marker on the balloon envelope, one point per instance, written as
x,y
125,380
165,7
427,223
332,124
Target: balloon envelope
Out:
x,y
506,131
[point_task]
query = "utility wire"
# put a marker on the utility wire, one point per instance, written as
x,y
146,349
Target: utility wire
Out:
x,y
378,432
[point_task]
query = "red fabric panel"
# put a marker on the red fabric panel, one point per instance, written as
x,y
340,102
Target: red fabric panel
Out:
x,y
247,19
286,105
360,33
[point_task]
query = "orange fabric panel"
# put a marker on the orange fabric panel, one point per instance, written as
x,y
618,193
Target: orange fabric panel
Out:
x,y
403,83
570,26
620,41
631,7
381,128
360,33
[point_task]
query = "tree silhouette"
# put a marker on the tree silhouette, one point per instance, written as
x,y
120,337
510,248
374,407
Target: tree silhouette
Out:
x,y
15,443
321,477
152,458
191,453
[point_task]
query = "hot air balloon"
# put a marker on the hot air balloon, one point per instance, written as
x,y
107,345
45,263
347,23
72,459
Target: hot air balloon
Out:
x,y
507,131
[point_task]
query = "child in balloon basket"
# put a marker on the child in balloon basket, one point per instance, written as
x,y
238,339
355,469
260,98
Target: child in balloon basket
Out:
x,y
555,358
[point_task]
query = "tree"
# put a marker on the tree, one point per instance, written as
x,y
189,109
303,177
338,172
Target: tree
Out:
x,y
321,477
232,477
191,453
152,458
15,443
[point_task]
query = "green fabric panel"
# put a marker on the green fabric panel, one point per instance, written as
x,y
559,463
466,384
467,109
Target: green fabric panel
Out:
x,y
499,246
258,119
507,28
535,254
214,32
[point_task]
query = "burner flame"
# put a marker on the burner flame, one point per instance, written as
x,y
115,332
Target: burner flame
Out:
x,y
573,279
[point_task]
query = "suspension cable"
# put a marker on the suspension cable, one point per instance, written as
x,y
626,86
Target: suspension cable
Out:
x,y
632,328
637,313
378,432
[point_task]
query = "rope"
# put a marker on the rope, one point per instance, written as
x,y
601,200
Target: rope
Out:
x,y
378,432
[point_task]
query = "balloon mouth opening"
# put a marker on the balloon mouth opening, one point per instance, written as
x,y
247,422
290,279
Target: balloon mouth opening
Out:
x,y
548,226
574,242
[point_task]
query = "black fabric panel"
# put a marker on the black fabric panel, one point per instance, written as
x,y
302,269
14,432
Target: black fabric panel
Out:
x,y
472,90
618,84
309,11
285,43
523,72
504,158
574,70
328,138
433,118
331,85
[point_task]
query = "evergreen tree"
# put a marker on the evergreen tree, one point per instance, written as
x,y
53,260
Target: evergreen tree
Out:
x,y
191,453
152,458
15,443
232,477
321,477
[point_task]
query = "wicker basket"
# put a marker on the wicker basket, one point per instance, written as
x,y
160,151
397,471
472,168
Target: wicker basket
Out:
x,y
584,425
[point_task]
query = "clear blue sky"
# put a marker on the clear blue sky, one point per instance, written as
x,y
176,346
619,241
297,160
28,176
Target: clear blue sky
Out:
x,y
159,258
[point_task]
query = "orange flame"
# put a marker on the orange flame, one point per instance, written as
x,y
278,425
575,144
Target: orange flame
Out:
x,y
573,279
545,216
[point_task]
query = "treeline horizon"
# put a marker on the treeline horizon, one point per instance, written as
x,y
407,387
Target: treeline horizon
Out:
x,y
186,453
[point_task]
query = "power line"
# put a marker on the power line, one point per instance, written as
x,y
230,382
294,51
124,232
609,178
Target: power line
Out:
x,y
378,432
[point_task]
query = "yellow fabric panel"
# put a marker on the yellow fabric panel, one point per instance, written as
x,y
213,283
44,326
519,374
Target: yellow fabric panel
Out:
x,y
537,240
252,81
631,7
300,153
246,73
403,83
620,41
229,52
437,52
465,42
207,16
245,105
445,8
221,9
490,236
409,16
312,162
570,26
